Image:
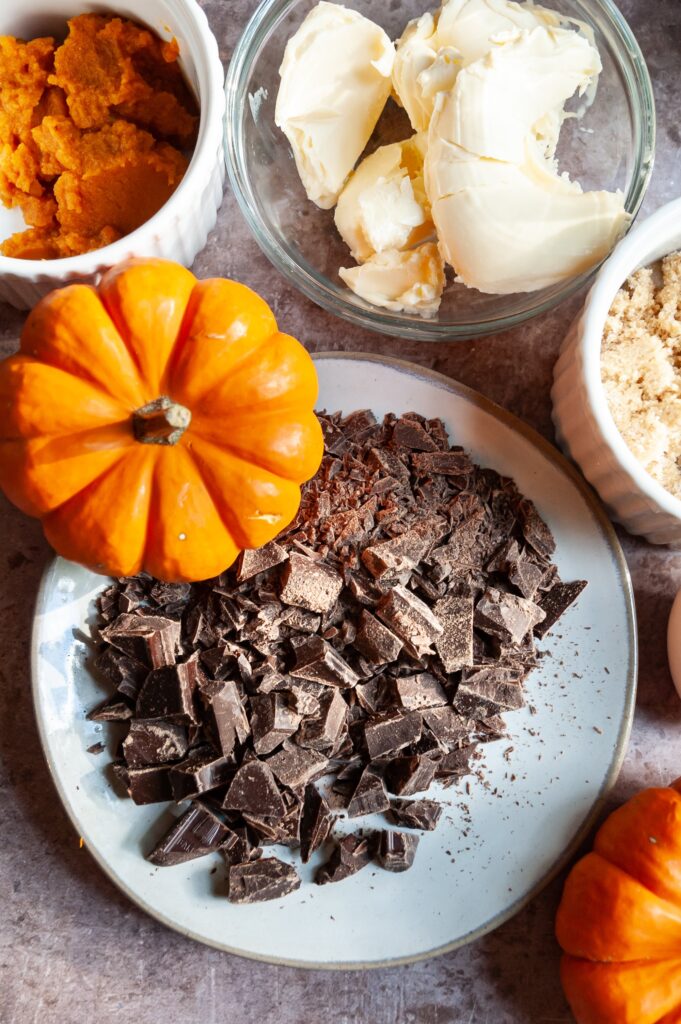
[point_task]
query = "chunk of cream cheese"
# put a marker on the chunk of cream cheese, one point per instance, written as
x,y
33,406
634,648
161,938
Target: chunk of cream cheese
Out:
x,y
400,281
506,219
434,47
335,81
384,204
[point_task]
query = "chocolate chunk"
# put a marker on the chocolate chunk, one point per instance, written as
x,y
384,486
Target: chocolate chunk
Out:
x,y
396,850
317,661
321,732
309,584
151,639
350,855
315,822
272,722
486,691
237,847
113,710
423,814
199,831
224,714
535,530
369,796
419,691
527,574
448,727
303,702
295,767
297,620
395,559
456,763
168,693
254,790
507,616
375,641
409,617
555,602
409,433
148,785
409,775
446,463
387,733
455,645
253,562
154,742
261,880
199,773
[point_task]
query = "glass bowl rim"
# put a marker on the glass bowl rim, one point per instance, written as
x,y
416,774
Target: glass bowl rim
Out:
x,y
314,285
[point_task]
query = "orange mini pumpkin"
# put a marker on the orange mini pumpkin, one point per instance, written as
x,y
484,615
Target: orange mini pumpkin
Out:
x,y
619,921
157,422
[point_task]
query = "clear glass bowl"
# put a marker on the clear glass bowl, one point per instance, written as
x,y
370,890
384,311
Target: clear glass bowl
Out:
x,y
611,147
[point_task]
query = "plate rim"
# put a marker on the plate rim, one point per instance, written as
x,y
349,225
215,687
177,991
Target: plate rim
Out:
x,y
608,531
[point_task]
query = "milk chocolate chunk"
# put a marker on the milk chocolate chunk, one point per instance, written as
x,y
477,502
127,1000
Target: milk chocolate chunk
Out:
x,y
196,833
154,742
448,727
396,850
224,713
369,796
446,463
455,645
422,814
151,639
254,791
406,776
272,721
309,584
389,732
556,601
350,855
253,562
315,822
168,693
375,641
149,785
322,731
507,616
410,618
420,691
258,881
317,661
295,767
199,773
408,433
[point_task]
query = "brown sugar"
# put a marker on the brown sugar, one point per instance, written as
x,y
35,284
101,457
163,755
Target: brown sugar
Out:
x,y
91,134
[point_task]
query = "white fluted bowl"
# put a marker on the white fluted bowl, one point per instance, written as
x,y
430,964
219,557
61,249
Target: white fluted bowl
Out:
x,y
180,228
585,427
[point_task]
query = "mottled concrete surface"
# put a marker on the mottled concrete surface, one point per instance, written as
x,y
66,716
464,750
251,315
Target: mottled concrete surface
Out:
x,y
73,950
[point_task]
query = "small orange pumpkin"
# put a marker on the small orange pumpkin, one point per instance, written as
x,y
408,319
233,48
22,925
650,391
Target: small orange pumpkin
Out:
x,y
619,921
157,422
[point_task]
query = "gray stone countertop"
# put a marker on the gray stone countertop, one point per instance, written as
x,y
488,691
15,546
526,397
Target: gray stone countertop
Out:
x,y
73,949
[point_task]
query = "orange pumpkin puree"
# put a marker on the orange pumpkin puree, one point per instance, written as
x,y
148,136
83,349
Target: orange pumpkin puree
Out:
x,y
92,134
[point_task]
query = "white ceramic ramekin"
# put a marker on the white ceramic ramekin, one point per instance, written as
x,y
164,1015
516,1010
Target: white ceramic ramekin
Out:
x,y
584,424
180,228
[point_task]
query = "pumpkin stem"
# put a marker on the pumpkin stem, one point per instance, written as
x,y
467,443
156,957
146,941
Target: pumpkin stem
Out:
x,y
161,421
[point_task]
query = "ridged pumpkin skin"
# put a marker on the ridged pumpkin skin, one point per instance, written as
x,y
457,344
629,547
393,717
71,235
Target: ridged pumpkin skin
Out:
x,y
619,921
86,448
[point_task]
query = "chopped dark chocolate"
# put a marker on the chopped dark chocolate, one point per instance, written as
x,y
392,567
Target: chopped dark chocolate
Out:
x,y
272,721
224,713
321,730
168,693
295,767
310,584
411,618
315,822
349,855
422,814
154,742
151,639
448,727
196,833
317,661
419,691
455,645
149,785
253,562
375,641
486,691
199,773
369,796
396,850
113,710
387,733
254,790
447,463
261,880
409,433
506,615
556,601
406,776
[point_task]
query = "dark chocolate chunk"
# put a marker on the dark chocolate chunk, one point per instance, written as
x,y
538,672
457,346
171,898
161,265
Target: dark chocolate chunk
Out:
x,y
408,433
486,691
349,855
456,763
455,645
321,731
315,822
148,785
384,461
422,814
295,767
112,710
557,600
151,639
254,790
406,776
447,463
168,693
396,850
154,742
375,641
305,703
272,721
224,713
198,832
369,796
199,773
395,559
253,562
261,880
419,691
506,615
237,846
448,727
411,618
309,584
536,532
317,661
387,733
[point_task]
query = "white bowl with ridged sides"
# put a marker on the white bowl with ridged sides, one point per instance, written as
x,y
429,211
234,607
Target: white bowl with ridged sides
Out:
x,y
584,424
179,230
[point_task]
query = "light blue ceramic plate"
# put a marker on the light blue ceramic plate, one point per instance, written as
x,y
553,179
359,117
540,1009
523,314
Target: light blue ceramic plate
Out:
x,y
498,844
